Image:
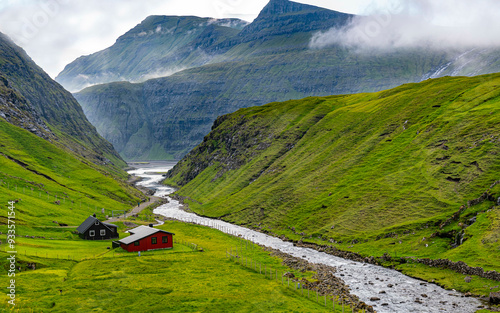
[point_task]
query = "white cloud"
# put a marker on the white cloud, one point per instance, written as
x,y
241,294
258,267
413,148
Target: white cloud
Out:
x,y
421,23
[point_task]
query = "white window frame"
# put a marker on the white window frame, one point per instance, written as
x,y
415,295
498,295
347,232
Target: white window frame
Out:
x,y
92,233
102,232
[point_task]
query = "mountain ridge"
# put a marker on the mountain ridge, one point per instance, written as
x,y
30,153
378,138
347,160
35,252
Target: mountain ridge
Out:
x,y
46,109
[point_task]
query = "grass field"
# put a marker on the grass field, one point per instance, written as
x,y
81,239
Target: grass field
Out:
x,y
180,280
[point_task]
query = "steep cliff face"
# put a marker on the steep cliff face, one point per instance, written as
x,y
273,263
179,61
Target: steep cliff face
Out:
x,y
15,109
159,46
32,100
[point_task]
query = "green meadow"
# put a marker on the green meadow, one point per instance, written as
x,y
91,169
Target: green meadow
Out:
x,y
183,279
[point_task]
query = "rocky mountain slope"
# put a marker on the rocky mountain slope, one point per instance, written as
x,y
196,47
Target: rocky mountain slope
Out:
x,y
159,46
367,171
53,164
268,60
29,98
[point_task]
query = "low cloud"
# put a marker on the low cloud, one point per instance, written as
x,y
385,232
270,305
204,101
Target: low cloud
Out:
x,y
431,24
160,73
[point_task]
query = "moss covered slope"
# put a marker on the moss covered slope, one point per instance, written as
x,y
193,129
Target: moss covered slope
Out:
x,y
357,167
52,187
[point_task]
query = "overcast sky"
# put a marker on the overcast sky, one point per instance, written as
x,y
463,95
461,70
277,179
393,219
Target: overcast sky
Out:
x,y
55,32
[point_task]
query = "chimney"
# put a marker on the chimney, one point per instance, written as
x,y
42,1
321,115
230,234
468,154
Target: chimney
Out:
x,y
94,215
151,225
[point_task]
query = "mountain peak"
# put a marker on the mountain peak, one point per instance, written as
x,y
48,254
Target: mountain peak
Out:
x,y
275,7
284,17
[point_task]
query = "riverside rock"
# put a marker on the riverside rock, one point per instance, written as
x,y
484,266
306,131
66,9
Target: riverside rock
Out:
x,y
494,298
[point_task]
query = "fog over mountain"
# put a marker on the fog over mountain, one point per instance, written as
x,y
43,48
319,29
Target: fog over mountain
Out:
x,y
420,23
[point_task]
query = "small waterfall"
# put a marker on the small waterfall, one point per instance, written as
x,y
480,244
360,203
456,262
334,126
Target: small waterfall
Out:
x,y
459,239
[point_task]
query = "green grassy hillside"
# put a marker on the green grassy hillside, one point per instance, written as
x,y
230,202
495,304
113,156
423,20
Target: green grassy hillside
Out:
x,y
52,186
372,173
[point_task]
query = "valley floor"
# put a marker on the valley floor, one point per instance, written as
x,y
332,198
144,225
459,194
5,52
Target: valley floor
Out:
x,y
62,275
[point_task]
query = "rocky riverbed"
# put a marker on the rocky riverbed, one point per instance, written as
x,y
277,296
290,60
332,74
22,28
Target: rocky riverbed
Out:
x,y
383,289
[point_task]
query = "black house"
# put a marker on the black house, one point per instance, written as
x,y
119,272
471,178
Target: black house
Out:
x,y
93,229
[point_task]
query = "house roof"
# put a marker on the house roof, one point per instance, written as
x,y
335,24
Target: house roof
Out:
x,y
91,221
109,225
141,232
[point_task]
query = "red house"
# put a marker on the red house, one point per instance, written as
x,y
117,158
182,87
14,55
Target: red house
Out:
x,y
145,238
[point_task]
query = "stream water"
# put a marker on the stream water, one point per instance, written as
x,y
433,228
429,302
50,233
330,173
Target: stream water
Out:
x,y
397,292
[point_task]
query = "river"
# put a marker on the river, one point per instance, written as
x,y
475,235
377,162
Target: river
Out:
x,y
365,280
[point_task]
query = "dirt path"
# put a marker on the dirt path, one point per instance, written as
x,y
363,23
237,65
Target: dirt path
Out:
x,y
137,209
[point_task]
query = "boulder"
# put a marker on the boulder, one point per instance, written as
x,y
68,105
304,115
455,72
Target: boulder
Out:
x,y
494,298
289,274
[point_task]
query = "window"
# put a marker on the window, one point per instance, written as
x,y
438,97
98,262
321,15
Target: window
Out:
x,y
97,222
92,233
153,240
136,243
103,232
164,239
